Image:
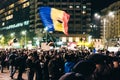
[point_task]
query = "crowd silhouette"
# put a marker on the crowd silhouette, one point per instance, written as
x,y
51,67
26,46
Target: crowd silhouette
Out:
x,y
61,64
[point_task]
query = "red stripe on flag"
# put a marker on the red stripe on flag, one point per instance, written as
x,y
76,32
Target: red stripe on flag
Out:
x,y
65,22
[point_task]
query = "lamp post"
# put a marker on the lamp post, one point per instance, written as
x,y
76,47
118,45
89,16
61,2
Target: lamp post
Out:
x,y
93,29
106,20
97,24
103,20
24,34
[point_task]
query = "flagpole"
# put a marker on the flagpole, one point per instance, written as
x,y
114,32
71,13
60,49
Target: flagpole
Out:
x,y
52,39
46,36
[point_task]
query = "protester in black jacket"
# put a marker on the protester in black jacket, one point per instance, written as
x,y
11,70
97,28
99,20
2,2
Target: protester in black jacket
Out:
x,y
12,64
2,61
55,68
30,67
21,64
37,66
33,63
45,68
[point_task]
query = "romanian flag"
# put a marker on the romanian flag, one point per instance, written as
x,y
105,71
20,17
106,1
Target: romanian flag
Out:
x,y
54,19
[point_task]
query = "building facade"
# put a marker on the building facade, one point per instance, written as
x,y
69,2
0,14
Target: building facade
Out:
x,y
79,10
23,15
111,22
14,18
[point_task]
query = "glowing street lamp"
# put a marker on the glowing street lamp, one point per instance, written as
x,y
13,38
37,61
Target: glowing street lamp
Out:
x,y
12,34
24,33
96,15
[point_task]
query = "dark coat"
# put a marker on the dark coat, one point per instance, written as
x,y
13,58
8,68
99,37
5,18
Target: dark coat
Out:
x,y
11,59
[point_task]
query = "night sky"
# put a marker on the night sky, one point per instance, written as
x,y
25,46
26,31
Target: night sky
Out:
x,y
97,5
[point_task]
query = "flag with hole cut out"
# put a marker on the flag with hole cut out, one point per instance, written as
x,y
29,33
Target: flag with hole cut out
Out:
x,y
54,19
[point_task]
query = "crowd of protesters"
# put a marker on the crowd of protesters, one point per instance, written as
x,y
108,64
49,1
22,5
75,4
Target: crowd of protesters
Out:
x,y
61,64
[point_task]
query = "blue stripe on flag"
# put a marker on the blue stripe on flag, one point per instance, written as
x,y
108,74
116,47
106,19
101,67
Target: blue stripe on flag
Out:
x,y
45,15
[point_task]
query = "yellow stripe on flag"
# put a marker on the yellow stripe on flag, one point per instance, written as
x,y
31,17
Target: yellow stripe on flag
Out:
x,y
57,16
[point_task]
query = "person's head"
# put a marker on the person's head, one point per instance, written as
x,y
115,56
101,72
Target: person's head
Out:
x,y
97,58
30,56
111,54
72,76
115,62
85,67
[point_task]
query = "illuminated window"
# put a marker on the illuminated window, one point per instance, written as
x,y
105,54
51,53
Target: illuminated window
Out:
x,y
22,1
70,39
25,4
64,39
84,7
2,10
77,39
11,6
77,6
70,6
10,11
83,12
9,17
3,23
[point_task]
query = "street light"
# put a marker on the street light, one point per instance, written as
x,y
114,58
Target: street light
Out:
x,y
96,15
96,24
93,30
12,34
24,34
